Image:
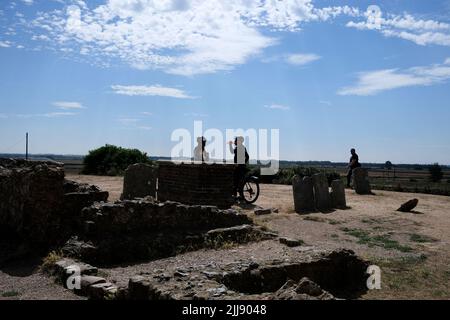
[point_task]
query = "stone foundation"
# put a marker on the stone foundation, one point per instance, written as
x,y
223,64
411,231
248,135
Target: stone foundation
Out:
x,y
143,229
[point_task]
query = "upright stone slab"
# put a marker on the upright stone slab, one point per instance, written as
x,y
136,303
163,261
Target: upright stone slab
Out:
x,y
321,192
361,182
338,194
303,194
139,181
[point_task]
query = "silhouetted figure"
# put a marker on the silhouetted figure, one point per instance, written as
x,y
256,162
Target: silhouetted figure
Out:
x,y
200,153
353,164
241,158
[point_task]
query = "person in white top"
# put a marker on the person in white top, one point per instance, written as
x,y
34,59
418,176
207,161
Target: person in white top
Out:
x,y
200,153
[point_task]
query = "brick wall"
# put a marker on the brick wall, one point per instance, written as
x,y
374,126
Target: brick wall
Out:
x,y
202,184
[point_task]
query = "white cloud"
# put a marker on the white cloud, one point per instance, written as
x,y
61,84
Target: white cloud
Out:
x,y
146,128
65,105
133,123
374,82
128,121
45,115
3,116
328,103
277,107
301,59
421,32
147,114
28,2
58,114
155,90
184,37
5,44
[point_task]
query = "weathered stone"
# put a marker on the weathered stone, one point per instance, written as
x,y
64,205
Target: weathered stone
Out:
x,y
321,192
87,281
304,290
139,181
303,194
78,249
338,194
139,288
94,193
102,291
291,242
409,206
361,182
260,212
239,234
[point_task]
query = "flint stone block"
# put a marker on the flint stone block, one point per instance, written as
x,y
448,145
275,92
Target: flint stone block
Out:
x,y
338,194
321,192
361,182
303,194
409,206
139,181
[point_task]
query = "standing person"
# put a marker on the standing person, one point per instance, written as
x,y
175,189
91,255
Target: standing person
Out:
x,y
353,164
241,158
200,153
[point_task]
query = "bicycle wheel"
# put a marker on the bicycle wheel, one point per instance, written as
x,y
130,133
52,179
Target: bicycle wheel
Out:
x,y
250,191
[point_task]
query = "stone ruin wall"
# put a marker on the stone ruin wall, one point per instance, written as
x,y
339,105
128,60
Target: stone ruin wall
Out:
x,y
202,184
38,207
188,183
133,230
40,210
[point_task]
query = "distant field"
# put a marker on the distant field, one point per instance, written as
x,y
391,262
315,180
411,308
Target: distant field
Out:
x,y
405,180
398,179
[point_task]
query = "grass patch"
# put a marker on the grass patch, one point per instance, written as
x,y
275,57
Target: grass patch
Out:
x,y
10,294
384,241
334,222
421,238
314,219
411,278
50,260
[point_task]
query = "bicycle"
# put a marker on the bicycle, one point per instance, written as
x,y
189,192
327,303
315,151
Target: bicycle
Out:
x,y
249,189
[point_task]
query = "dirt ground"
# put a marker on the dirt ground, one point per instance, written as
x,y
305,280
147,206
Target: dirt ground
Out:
x,y
412,249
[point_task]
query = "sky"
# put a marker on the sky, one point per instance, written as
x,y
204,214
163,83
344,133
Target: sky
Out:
x,y
330,75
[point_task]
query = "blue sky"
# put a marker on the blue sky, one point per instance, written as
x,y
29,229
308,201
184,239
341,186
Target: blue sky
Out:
x,y
330,75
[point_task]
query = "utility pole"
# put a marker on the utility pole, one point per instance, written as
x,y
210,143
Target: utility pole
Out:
x,y
26,147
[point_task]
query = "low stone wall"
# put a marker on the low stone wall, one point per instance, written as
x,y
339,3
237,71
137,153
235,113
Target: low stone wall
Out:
x,y
38,207
203,184
31,195
133,230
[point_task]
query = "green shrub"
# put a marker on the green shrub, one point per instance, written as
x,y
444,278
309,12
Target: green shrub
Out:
x,y
286,175
112,160
436,173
